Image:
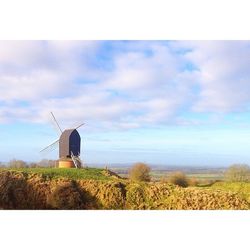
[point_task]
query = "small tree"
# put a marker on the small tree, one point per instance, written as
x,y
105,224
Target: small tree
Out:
x,y
238,173
178,178
139,172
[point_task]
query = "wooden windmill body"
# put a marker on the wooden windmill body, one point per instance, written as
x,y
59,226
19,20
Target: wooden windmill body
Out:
x,y
69,147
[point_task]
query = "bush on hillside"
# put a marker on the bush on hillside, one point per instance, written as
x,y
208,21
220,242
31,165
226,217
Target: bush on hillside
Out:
x,y
178,178
139,172
238,173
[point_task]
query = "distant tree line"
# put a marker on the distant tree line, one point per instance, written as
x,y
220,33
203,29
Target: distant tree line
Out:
x,y
14,163
2,165
234,173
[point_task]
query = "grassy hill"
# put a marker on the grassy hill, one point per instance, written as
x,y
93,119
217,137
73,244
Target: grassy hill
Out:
x,y
73,173
42,188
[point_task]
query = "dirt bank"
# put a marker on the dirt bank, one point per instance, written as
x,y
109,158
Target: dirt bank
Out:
x,y
33,191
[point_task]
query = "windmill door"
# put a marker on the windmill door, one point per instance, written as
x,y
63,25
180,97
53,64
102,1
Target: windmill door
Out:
x,y
75,143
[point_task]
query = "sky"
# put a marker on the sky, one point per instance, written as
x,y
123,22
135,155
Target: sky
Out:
x,y
160,102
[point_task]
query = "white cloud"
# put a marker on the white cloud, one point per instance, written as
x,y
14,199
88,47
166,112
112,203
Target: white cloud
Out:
x,y
137,84
155,84
140,89
30,87
224,75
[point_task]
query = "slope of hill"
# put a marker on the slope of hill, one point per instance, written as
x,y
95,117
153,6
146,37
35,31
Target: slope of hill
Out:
x,y
102,189
240,188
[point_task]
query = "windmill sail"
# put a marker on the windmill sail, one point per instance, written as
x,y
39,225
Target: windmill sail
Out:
x,y
57,124
79,125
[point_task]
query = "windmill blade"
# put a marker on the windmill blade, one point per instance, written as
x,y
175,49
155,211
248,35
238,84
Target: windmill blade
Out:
x,y
51,146
56,122
79,125
55,127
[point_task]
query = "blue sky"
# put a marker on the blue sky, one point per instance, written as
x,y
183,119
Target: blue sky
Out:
x,y
161,102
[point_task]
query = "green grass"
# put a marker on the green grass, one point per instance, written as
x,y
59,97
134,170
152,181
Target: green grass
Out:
x,y
55,173
241,188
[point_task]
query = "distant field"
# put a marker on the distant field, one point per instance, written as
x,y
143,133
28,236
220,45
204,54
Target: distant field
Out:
x,y
74,174
97,173
200,175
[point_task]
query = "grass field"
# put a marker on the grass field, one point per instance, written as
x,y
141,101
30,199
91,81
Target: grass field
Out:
x,y
73,174
200,175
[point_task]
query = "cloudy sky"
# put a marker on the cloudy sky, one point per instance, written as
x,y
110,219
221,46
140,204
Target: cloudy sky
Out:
x,y
162,102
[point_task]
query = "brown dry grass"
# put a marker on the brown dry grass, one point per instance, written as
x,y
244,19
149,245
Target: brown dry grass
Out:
x,y
33,191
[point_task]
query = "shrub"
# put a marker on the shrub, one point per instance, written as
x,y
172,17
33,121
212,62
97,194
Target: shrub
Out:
x,y
139,172
238,173
179,179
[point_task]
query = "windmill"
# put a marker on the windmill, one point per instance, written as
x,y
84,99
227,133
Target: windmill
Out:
x,y
69,147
